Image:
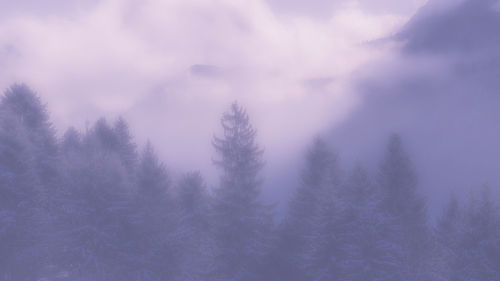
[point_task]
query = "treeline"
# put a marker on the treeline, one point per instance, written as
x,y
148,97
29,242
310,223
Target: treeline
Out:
x,y
94,206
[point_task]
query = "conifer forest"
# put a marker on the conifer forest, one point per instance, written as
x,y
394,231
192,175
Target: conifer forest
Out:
x,y
250,140
93,205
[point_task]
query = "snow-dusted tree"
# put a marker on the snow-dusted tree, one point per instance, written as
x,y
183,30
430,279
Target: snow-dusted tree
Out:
x,y
241,221
195,227
153,181
309,208
193,199
154,236
28,118
19,207
64,204
94,208
125,146
448,233
402,203
369,254
103,137
325,251
478,256
21,103
71,142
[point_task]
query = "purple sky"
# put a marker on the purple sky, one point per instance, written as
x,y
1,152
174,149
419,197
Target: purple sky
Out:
x,y
300,67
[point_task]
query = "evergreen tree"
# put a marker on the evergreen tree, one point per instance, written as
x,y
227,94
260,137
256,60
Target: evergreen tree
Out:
x,y
89,207
65,201
196,229
367,247
406,209
23,109
126,147
21,103
155,252
448,233
153,181
241,221
94,209
313,199
479,249
71,142
19,203
324,254
103,137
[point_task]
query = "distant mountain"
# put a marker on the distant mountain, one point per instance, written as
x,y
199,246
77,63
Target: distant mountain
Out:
x,y
440,90
457,27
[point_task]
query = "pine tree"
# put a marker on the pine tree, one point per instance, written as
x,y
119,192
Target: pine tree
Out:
x,y
71,141
65,203
324,253
196,228
20,102
155,252
103,137
406,209
126,147
19,207
367,246
479,249
241,221
309,208
29,118
94,209
448,233
153,180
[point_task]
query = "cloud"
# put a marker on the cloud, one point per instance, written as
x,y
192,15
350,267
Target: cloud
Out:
x,y
205,70
46,8
172,67
324,9
438,89
464,27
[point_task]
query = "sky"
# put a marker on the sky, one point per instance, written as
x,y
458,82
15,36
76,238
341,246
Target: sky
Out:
x,y
351,70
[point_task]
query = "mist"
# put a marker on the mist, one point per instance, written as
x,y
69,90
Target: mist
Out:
x,y
438,89
121,58
249,140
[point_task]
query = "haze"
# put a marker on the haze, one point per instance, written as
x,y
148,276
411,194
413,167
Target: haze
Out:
x,y
353,75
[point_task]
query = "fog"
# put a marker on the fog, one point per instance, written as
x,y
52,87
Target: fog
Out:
x,y
355,69
359,120
438,88
179,64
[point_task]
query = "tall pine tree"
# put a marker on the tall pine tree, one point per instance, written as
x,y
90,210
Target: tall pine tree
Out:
x,y
19,203
405,207
32,133
241,221
369,252
479,249
196,228
155,232
297,254
93,222
448,233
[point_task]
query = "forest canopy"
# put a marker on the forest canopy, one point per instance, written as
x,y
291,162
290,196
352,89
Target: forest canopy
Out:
x,y
95,205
